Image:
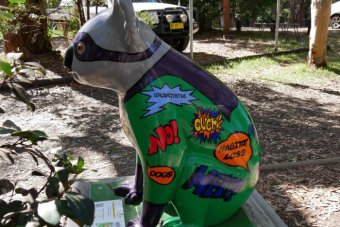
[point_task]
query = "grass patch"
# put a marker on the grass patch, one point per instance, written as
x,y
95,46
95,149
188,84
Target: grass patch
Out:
x,y
290,68
55,33
286,41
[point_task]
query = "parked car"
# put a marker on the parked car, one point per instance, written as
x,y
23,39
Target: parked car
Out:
x,y
170,22
335,15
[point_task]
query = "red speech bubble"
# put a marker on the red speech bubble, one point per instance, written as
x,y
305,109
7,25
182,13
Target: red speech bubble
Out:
x,y
161,174
235,151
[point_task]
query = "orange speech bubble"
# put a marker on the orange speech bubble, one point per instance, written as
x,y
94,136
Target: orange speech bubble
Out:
x,y
235,151
161,174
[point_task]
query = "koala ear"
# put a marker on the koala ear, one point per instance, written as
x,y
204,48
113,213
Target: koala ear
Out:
x,y
125,9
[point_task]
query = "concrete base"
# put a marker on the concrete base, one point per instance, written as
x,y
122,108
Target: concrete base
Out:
x,y
255,212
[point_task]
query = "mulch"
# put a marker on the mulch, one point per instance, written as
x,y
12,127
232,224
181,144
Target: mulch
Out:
x,y
294,124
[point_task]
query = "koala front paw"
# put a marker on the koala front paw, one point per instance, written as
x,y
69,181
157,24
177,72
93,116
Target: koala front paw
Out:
x,y
132,197
123,190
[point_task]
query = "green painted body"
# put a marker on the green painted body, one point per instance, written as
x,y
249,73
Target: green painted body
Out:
x,y
186,151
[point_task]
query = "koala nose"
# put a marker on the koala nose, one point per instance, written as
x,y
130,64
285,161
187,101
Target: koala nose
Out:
x,y
68,57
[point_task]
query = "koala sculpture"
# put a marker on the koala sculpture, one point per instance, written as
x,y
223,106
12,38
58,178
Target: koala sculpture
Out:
x,y
196,145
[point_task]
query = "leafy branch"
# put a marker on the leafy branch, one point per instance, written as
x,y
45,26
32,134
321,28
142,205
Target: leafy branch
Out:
x,y
36,207
17,73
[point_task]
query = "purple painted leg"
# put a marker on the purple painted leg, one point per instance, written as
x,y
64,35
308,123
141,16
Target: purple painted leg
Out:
x,y
150,216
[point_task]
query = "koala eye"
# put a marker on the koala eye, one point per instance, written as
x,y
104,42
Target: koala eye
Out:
x,y
81,47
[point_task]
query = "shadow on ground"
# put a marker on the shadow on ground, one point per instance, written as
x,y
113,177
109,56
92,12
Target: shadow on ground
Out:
x,y
294,129
289,128
295,194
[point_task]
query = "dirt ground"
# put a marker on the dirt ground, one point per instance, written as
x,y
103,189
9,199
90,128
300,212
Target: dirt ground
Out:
x,y
294,123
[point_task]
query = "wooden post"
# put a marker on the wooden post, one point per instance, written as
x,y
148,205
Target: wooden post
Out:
x,y
226,20
191,27
277,24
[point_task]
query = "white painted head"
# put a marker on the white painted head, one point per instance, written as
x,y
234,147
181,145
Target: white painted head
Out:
x,y
114,49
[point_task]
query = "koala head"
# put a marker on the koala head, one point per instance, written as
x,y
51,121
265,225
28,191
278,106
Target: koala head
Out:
x,y
114,49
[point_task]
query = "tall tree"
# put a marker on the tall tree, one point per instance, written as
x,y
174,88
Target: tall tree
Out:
x,y
226,16
292,16
26,30
301,12
80,7
320,13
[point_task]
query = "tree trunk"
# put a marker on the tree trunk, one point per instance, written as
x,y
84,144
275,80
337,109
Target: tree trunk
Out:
x,y
31,37
292,15
88,10
320,13
301,12
80,7
226,16
4,2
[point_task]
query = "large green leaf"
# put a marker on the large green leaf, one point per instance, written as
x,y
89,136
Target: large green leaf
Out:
x,y
33,136
17,1
14,206
6,130
77,166
5,186
50,211
40,134
6,68
80,163
81,207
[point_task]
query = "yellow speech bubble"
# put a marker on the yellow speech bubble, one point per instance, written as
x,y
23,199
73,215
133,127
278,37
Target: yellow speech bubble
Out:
x,y
235,150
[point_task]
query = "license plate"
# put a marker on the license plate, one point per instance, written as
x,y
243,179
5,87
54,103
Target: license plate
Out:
x,y
174,26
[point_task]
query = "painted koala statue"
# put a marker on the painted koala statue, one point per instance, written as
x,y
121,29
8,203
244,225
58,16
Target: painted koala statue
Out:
x,y
196,145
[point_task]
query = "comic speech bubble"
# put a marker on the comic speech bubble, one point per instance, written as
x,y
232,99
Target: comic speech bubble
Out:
x,y
207,125
161,174
235,151
162,96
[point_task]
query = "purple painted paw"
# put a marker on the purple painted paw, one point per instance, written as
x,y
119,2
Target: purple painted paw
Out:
x,y
132,197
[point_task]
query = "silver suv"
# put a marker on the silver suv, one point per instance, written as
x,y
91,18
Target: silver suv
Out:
x,y
335,15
